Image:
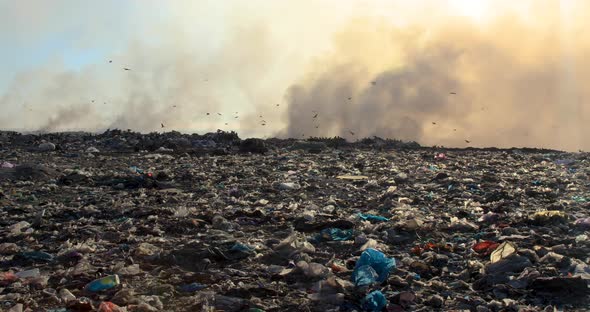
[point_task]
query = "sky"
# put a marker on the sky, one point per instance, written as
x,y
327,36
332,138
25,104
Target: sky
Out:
x,y
455,73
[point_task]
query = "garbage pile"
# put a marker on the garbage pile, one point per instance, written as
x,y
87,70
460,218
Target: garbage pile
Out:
x,y
123,221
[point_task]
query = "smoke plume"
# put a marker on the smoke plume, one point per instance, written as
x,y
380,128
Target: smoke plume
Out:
x,y
506,75
507,82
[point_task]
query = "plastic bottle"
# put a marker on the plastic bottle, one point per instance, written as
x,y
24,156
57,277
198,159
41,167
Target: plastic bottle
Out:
x,y
28,273
104,283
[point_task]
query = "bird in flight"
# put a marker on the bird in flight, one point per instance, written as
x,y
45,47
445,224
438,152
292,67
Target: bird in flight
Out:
x,y
277,105
162,125
350,98
467,141
434,123
125,68
454,129
219,114
315,116
317,126
373,82
351,132
208,114
173,105
110,61
453,93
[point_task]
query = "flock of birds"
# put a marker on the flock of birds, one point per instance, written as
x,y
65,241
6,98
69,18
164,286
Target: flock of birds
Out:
x,y
263,122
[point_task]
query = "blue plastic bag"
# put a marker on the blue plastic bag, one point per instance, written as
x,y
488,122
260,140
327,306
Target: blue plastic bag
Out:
x,y
364,276
374,301
241,248
377,261
136,169
372,217
334,234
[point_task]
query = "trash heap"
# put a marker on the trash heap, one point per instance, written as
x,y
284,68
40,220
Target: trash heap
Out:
x,y
122,221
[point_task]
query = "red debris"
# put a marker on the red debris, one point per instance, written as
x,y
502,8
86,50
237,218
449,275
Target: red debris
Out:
x,y
107,306
440,156
485,247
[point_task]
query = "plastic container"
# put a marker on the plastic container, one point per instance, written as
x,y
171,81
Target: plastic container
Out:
x,y
104,283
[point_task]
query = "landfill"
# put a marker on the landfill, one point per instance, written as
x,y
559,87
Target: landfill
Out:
x,y
124,221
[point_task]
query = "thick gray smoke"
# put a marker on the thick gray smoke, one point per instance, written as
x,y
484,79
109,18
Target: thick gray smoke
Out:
x,y
397,69
508,83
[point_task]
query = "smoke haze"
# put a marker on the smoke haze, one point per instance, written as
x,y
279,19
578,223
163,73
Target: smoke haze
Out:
x,y
504,75
505,83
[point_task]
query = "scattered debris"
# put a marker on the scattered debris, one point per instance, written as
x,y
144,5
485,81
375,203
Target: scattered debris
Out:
x,y
123,221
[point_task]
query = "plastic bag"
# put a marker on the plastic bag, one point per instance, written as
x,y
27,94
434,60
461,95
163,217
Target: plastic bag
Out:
x,y
375,260
374,301
371,217
334,234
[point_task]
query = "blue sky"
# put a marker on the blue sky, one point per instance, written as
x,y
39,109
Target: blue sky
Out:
x,y
74,33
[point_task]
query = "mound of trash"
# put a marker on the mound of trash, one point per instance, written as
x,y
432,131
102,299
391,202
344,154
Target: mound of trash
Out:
x,y
124,221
